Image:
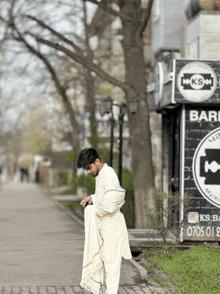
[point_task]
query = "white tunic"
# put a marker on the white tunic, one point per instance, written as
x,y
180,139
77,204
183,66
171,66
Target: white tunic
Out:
x,y
106,180
106,235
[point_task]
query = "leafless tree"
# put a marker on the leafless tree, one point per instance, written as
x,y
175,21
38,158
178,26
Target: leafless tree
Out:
x,y
134,20
54,64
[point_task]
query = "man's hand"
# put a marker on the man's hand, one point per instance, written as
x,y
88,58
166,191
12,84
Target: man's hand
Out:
x,y
87,199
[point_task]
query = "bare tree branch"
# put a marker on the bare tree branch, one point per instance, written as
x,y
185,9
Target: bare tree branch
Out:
x,y
85,62
146,16
110,10
60,88
54,32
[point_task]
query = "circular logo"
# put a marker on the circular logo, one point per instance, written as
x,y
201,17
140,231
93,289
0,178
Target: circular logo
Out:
x,y
196,81
206,167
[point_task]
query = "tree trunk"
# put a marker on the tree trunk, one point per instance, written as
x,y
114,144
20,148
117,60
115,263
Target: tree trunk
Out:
x,y
75,129
140,134
91,107
90,87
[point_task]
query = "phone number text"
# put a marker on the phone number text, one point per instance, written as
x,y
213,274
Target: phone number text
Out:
x,y
196,231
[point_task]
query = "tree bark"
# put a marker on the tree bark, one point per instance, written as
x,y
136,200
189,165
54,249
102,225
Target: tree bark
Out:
x,y
140,134
90,87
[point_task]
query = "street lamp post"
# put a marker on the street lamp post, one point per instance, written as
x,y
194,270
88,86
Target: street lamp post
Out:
x,y
106,107
112,121
133,106
123,108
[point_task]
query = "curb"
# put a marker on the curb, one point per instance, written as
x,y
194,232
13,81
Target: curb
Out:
x,y
71,214
142,271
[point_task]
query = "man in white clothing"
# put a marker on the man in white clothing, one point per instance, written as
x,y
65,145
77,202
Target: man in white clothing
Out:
x,y
106,238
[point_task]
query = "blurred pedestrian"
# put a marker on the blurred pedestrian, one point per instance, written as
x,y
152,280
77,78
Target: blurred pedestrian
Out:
x,y
106,238
22,174
37,175
26,171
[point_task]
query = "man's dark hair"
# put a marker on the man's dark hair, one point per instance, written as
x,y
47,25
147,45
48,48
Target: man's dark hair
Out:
x,y
86,157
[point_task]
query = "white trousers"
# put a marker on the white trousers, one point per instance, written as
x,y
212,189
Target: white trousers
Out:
x,y
112,275
112,255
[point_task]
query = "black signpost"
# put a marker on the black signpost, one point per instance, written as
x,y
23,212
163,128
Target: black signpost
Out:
x,y
201,172
189,100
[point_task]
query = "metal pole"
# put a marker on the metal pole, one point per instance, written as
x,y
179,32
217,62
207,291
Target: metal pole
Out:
x,y
112,139
121,120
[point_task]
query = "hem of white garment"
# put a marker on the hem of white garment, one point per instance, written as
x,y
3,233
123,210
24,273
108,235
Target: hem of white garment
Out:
x,y
93,290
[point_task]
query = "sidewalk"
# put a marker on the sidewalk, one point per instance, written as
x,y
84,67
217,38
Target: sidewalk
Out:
x,y
42,246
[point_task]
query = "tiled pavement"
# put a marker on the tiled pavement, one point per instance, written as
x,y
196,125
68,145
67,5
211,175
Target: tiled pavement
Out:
x,y
140,289
42,246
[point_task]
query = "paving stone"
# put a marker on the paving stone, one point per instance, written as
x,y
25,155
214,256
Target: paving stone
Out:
x,y
25,290
43,290
130,290
16,290
6,290
122,290
140,289
68,290
51,290
60,290
44,246
147,290
33,290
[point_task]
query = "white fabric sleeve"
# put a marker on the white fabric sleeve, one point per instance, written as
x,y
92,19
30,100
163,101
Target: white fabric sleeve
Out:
x,y
110,180
93,198
111,202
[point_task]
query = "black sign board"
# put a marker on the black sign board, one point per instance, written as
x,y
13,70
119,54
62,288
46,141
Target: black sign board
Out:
x,y
197,82
181,81
201,172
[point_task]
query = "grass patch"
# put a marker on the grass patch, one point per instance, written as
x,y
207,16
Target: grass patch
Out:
x,y
159,280
73,205
66,205
76,205
72,191
194,271
148,268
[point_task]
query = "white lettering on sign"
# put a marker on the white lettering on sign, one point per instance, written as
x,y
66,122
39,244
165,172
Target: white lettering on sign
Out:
x,y
209,218
204,217
203,115
197,231
215,218
195,217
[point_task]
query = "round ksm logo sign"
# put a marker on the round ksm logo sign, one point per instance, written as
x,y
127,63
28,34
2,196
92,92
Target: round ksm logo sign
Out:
x,y
196,81
206,167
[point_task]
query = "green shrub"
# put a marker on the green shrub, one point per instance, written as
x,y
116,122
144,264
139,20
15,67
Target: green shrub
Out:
x,y
90,184
86,181
170,211
73,190
77,206
128,207
61,177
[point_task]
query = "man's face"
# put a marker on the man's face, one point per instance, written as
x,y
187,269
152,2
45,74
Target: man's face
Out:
x,y
93,169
